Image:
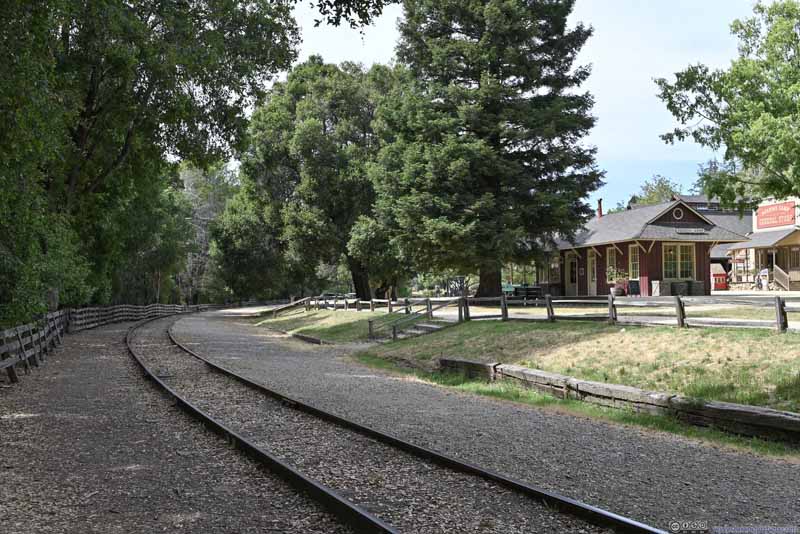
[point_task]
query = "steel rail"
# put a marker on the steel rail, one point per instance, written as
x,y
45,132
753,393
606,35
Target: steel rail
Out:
x,y
347,512
591,514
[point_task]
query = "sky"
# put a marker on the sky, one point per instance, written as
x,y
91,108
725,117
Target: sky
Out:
x,y
634,41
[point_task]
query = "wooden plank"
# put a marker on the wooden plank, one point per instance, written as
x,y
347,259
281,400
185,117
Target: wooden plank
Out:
x,y
551,316
781,321
680,313
612,311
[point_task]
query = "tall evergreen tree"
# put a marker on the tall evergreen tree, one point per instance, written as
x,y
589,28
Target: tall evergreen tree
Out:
x,y
484,162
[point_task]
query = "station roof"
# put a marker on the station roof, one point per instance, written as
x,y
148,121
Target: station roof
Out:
x,y
643,223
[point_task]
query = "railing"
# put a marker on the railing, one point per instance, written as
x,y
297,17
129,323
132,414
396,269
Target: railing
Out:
x,y
678,304
280,309
28,345
414,316
781,277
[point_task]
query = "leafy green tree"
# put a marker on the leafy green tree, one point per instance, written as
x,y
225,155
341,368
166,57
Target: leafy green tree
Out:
x,y
371,244
207,191
655,190
311,143
748,111
484,162
247,250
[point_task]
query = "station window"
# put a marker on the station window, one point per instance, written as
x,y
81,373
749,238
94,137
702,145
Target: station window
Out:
x,y
678,261
611,264
633,262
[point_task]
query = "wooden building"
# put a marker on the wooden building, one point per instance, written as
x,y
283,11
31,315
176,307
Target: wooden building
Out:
x,y
660,249
773,246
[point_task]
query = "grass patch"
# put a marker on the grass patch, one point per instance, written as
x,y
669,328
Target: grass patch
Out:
x,y
511,392
334,326
749,366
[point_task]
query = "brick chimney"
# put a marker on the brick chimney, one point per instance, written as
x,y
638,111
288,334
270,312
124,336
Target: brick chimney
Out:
x,y
599,207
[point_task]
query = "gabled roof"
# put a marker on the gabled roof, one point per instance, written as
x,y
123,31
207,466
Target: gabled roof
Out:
x,y
642,223
730,220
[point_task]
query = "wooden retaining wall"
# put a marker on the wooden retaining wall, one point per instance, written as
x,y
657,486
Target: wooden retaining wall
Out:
x,y
737,418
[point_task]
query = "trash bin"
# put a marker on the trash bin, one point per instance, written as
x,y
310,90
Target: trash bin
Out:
x,y
680,288
697,288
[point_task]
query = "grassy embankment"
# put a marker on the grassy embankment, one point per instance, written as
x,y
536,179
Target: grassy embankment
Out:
x,y
335,327
748,366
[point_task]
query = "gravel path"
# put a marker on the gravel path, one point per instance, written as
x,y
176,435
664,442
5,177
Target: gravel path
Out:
x,y
411,494
88,446
649,476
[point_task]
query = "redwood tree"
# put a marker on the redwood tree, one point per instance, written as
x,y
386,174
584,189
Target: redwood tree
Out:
x,y
484,160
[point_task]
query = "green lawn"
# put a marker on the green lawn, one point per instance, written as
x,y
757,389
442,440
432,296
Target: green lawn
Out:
x,y
748,366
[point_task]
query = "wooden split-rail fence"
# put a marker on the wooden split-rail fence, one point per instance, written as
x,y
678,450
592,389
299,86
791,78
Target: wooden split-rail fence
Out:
x,y
671,310
26,346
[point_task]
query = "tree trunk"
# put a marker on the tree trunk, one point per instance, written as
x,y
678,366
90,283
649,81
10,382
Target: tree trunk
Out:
x,y
490,282
360,279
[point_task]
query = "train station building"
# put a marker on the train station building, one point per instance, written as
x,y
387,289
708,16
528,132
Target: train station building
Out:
x,y
652,250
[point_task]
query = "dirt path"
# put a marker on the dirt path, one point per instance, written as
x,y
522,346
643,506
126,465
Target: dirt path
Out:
x,y
89,446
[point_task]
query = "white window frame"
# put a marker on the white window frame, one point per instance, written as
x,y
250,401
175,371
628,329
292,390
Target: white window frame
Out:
x,y
611,252
631,250
679,245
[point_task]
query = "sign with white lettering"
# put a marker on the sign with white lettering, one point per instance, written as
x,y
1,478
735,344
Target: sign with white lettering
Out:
x,y
773,215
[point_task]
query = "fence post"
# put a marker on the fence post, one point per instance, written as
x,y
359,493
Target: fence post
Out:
x,y
548,302
371,305
408,305
781,321
369,322
394,332
680,312
612,310
429,308
334,303
358,305
503,307
466,308
390,304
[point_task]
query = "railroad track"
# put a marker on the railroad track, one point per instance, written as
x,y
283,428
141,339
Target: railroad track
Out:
x,y
370,480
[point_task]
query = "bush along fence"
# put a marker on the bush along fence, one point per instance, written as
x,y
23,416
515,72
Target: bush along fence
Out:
x,y
28,345
737,418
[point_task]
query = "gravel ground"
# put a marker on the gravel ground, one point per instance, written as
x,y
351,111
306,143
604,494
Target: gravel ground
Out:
x,y
649,476
88,446
410,494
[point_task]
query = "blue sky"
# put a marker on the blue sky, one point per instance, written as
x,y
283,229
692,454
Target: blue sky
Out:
x,y
634,42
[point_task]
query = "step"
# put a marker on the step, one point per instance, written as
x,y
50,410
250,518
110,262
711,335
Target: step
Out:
x,y
427,327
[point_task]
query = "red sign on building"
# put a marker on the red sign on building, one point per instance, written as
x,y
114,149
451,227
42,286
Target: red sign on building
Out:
x,y
775,215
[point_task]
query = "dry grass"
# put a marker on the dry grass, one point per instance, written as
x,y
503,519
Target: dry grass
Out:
x,y
739,365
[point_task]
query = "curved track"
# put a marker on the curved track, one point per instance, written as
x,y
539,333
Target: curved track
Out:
x,y
361,519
